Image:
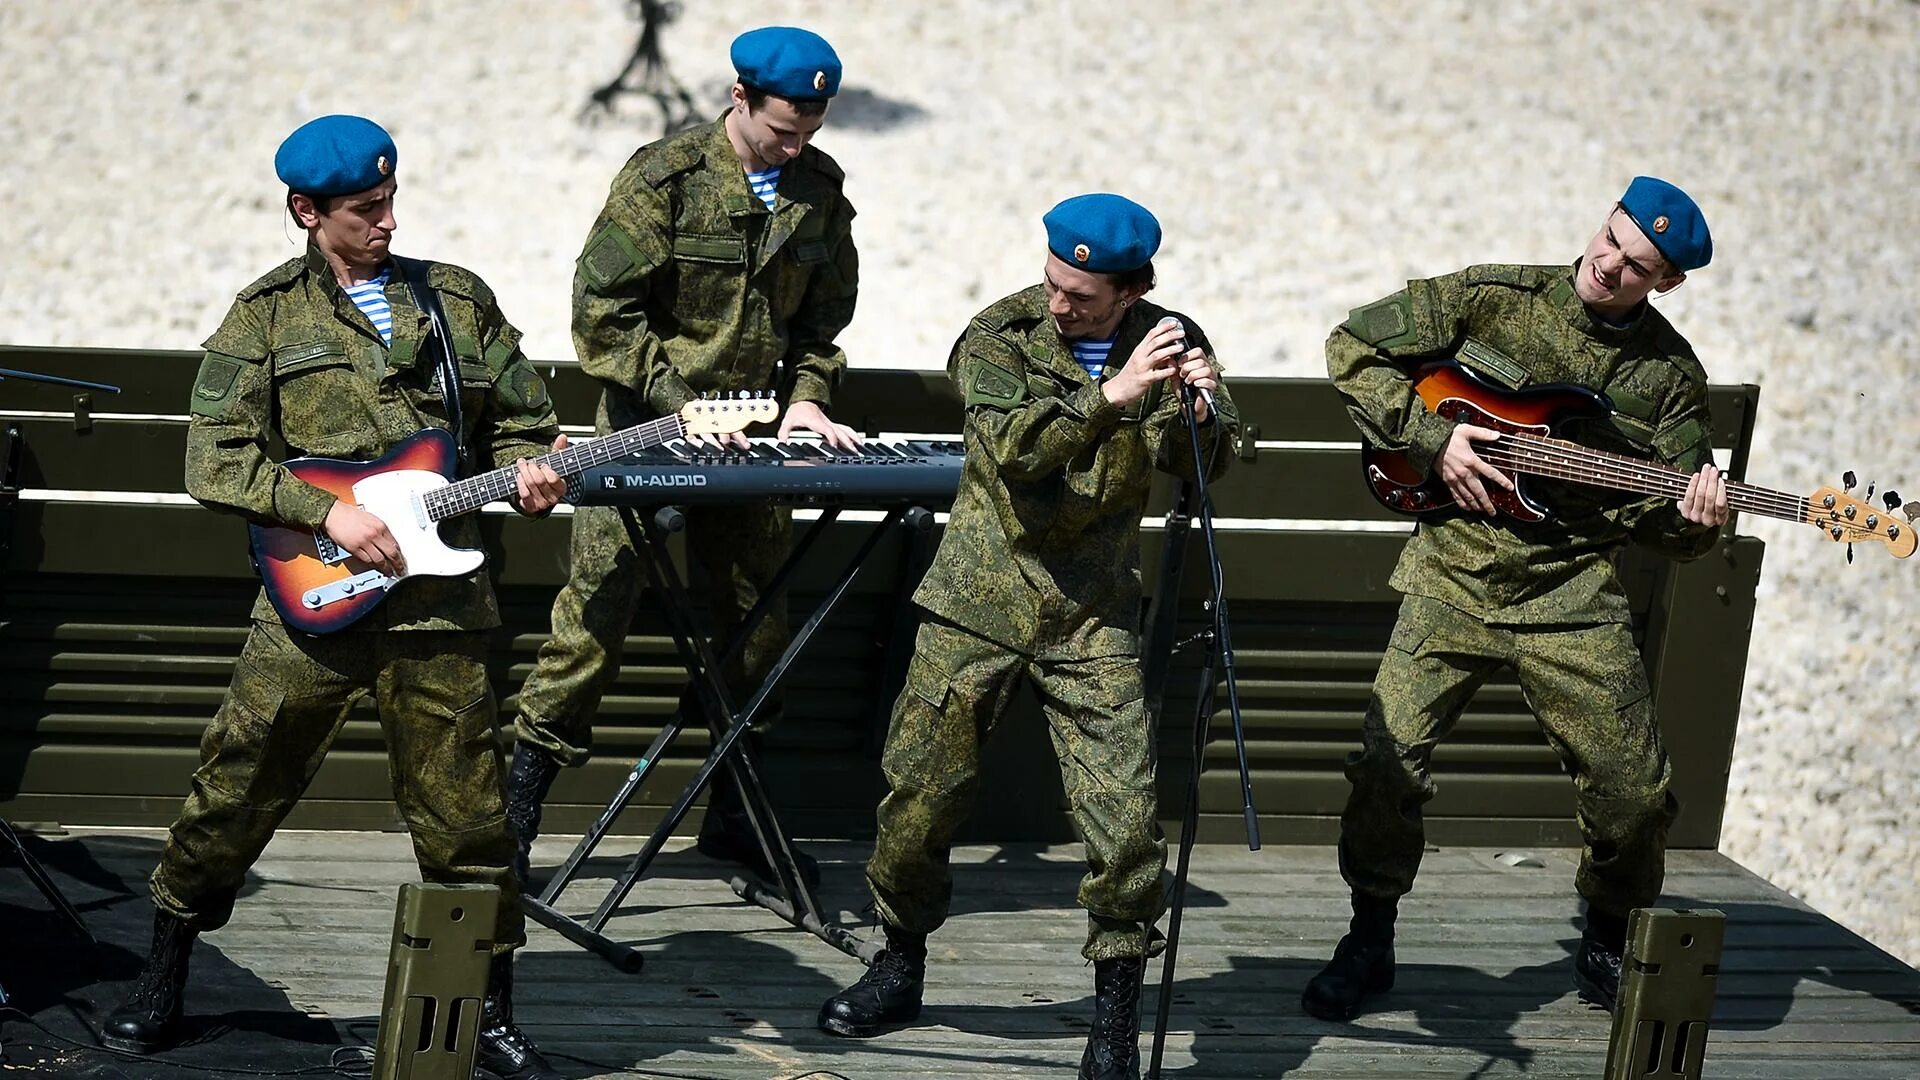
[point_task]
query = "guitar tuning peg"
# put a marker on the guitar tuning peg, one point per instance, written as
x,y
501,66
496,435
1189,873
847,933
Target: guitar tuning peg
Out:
x,y
1891,498
1849,554
1847,480
1912,510
1869,490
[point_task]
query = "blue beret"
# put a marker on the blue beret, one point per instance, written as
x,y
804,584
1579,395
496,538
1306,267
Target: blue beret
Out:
x,y
787,61
336,155
1103,233
1671,220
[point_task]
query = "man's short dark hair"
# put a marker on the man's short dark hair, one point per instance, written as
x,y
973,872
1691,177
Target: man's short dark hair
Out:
x,y
321,203
1140,277
757,97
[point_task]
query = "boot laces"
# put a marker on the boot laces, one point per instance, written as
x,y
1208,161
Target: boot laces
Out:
x,y
889,971
1118,1003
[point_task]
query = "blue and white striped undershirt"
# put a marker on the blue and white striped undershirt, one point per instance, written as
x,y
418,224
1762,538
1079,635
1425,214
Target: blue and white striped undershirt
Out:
x,y
1092,355
763,184
371,299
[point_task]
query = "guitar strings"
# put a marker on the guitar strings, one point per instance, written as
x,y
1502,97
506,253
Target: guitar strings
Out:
x,y
477,491
1575,462
1564,460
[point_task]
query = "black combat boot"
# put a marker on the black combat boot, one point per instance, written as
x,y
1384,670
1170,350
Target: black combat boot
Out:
x,y
1596,967
505,1052
889,993
1113,1046
1362,963
149,1020
726,834
527,783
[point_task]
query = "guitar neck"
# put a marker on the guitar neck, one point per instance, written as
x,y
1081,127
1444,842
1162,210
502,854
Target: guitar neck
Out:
x,y
471,494
1562,460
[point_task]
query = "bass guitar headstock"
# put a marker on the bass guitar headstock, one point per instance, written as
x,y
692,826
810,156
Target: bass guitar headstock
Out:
x,y
726,415
1850,520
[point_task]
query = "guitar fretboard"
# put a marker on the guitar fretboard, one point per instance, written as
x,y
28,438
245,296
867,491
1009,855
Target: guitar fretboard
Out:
x,y
1562,460
477,491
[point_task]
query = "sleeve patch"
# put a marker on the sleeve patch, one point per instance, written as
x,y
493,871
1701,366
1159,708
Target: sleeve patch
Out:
x,y
528,387
994,385
213,389
610,257
1384,323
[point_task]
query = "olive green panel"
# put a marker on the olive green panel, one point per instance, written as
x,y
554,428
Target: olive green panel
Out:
x,y
117,455
894,399
1696,652
119,626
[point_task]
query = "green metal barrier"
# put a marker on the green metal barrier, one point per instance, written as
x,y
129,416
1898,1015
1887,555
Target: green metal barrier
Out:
x,y
436,976
1666,994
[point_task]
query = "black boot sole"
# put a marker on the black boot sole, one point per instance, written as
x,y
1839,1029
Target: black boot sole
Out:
x,y
1337,1015
834,1025
137,1046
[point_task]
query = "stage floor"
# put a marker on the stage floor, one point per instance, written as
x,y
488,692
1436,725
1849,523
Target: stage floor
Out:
x,y
729,991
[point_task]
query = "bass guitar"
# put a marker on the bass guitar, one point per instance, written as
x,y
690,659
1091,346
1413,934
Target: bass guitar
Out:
x,y
1530,422
319,587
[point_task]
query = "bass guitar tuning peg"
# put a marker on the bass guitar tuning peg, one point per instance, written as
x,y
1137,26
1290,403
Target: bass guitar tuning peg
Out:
x,y
1848,480
1869,495
1891,498
1912,510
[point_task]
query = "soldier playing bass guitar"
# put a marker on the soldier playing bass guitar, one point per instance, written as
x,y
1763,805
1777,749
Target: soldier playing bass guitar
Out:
x,y
1540,597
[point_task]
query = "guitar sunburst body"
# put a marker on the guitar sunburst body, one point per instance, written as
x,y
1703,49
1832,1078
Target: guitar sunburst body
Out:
x,y
318,587
291,563
1457,395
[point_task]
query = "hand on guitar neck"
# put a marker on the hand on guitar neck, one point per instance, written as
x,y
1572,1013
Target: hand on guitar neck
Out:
x,y
1467,474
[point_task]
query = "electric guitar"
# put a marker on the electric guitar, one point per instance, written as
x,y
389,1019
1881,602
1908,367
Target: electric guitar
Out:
x,y
318,587
1528,421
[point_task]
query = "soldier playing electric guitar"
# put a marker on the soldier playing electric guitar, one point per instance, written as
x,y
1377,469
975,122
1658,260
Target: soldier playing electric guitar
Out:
x,y
331,353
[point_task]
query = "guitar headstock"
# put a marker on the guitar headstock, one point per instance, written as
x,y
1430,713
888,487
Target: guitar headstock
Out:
x,y
1846,519
726,415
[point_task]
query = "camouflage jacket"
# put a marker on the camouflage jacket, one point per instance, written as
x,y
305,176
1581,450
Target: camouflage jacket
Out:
x,y
296,363
1042,551
1530,328
689,284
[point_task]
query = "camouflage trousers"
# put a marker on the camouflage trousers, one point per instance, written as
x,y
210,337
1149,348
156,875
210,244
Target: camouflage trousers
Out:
x,y
1588,691
735,552
287,700
958,687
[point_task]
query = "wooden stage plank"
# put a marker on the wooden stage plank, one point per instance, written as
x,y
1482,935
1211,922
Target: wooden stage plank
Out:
x,y
731,992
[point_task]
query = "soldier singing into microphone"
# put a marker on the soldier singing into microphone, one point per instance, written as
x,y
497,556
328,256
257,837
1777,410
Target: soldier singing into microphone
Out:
x,y
1038,577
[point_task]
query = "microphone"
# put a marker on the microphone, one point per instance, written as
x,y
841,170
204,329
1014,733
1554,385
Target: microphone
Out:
x,y
1185,390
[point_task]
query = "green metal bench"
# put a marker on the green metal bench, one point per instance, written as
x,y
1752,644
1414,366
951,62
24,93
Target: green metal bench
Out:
x,y
125,603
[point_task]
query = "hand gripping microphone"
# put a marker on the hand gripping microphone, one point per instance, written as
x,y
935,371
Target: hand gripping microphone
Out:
x,y
1186,392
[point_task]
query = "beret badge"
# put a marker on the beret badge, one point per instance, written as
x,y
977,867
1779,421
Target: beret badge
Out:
x,y
820,81
384,166
1660,224
1081,253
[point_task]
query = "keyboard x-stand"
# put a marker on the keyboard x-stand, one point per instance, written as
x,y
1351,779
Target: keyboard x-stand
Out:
x,y
647,528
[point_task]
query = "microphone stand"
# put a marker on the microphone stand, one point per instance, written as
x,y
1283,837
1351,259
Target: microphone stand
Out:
x,y
1219,642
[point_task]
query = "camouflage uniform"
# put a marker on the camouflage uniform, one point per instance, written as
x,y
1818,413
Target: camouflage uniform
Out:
x,y
688,284
1542,598
1038,575
296,360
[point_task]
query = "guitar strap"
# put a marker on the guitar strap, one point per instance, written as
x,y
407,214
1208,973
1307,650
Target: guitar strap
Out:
x,y
447,368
